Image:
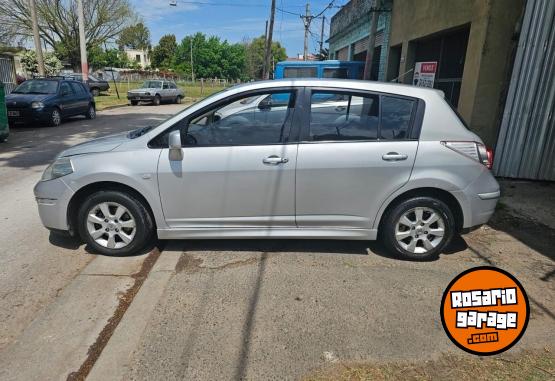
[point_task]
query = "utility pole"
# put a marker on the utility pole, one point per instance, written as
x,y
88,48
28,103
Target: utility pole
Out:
x,y
268,54
82,42
371,41
322,35
192,67
307,19
265,44
36,37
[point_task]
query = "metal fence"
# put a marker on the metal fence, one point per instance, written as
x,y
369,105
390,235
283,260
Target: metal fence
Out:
x,y
7,73
526,144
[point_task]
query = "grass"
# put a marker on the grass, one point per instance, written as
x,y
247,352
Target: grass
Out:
x,y
528,365
110,99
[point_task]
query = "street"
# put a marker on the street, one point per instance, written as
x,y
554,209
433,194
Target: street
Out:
x,y
242,309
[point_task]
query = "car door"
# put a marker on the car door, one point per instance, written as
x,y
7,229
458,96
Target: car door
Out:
x,y
166,91
68,101
236,171
353,154
81,97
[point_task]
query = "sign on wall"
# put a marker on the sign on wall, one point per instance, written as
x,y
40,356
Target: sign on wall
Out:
x,y
424,74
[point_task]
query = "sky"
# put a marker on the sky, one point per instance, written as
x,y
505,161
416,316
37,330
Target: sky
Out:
x,y
235,20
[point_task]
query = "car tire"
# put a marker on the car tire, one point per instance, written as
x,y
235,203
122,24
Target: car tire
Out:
x,y
156,100
91,113
95,92
55,117
178,99
134,103
131,230
418,229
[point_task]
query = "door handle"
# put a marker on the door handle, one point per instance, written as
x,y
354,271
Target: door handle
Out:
x,y
274,160
394,156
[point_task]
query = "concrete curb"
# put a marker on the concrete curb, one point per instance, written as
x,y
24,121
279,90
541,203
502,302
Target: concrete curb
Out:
x,y
115,359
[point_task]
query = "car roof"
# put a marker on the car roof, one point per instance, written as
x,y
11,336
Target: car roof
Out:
x,y
341,84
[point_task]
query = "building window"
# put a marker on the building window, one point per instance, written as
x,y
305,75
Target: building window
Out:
x,y
138,58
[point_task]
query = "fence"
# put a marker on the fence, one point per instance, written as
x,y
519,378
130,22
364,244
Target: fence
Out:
x,y
7,73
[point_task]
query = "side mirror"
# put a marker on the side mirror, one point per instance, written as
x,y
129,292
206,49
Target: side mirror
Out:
x,y
265,105
174,143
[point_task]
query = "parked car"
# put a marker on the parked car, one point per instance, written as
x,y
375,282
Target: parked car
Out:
x,y
156,91
343,160
49,100
95,85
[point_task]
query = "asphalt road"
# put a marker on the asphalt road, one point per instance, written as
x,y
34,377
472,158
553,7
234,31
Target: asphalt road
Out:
x,y
245,309
33,268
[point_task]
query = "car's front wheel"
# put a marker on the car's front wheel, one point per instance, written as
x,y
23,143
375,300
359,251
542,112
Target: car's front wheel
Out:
x,y
156,100
418,228
115,223
134,103
55,118
178,99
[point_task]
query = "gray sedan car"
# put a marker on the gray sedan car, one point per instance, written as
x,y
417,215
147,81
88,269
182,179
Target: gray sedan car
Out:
x,y
333,159
156,92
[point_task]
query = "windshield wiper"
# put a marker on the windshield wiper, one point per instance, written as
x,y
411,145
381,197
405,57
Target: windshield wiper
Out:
x,y
139,132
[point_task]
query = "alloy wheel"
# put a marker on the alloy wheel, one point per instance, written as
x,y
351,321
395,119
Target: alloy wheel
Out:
x,y
56,118
420,230
111,225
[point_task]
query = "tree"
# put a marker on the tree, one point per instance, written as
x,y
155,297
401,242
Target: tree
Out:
x,y
58,26
135,37
255,56
52,64
212,58
162,55
99,58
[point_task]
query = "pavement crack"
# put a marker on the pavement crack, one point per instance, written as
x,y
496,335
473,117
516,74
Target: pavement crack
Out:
x,y
190,263
125,300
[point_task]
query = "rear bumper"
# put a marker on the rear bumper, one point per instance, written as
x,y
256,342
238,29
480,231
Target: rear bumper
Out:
x,y
478,200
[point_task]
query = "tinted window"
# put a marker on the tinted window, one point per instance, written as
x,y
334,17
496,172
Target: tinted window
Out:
x,y
300,72
166,86
336,73
264,120
396,117
77,88
64,88
173,86
343,116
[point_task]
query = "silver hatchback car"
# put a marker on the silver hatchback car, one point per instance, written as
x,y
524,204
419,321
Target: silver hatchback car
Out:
x,y
333,159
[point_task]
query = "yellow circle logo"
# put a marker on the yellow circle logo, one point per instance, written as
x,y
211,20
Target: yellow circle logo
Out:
x,y
485,311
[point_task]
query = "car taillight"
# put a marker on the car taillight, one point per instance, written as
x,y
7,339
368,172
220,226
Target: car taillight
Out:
x,y
474,150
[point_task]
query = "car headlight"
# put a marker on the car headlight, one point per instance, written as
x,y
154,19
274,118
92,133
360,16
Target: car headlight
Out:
x,y
37,105
61,167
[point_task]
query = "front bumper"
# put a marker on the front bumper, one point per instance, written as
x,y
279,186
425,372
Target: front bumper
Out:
x,y
141,98
29,115
53,198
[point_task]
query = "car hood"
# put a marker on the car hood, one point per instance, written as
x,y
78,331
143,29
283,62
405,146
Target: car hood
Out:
x,y
144,89
21,100
105,144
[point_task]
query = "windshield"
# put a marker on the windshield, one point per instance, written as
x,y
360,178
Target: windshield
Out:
x,y
138,132
152,85
37,87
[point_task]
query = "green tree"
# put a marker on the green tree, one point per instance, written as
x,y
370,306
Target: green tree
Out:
x,y
52,64
58,25
212,58
163,54
135,37
254,51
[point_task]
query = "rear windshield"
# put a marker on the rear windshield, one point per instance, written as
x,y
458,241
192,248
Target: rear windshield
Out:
x,y
35,86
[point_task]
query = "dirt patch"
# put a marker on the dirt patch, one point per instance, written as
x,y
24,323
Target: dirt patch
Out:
x,y
125,300
190,263
529,365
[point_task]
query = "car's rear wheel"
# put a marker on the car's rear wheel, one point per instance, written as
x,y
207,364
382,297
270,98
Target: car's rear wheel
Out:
x,y
55,117
156,101
95,91
91,112
134,103
418,228
114,223
178,99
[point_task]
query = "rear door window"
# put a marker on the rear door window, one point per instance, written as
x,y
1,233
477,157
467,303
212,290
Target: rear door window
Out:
x,y
336,73
396,117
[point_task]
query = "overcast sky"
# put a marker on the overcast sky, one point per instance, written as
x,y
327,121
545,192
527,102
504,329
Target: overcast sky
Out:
x,y
234,20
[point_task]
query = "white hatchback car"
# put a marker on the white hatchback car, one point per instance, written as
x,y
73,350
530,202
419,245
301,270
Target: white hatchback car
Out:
x,y
311,158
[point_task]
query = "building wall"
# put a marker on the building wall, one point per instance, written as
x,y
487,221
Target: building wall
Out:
x,y
352,24
144,58
488,54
